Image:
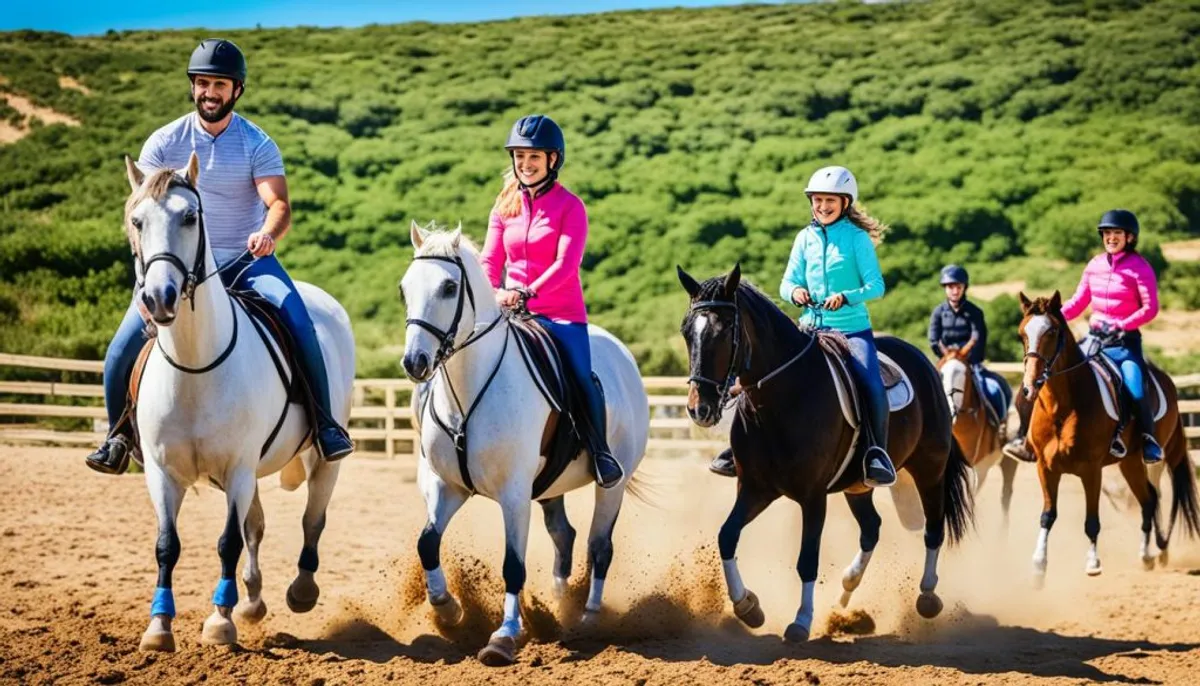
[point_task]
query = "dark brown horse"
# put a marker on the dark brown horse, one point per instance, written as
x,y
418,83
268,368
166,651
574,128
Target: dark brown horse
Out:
x,y
789,437
978,436
1070,433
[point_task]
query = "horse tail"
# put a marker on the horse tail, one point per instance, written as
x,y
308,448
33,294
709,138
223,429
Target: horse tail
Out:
x,y
1183,493
644,489
958,502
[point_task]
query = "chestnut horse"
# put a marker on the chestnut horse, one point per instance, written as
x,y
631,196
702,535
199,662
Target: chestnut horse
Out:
x,y
1070,433
979,438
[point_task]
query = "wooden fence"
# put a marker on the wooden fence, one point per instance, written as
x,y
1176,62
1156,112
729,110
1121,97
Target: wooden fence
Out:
x,y
380,418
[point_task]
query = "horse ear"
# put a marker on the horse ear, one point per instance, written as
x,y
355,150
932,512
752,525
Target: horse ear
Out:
x,y
193,169
416,234
456,235
1056,302
136,177
1026,303
733,279
689,284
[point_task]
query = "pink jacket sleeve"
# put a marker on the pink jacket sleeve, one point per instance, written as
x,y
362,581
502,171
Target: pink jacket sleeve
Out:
x,y
571,242
1077,303
1147,287
494,256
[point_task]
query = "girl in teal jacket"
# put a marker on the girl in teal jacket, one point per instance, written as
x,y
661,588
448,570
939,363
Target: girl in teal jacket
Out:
x,y
832,273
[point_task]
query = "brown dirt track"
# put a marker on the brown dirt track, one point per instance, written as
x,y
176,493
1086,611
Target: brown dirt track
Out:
x,y
77,572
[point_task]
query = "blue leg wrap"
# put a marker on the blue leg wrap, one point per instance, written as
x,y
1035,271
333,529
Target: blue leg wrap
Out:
x,y
226,594
163,603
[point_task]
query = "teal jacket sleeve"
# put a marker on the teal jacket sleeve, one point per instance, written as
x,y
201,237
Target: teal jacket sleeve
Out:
x,y
793,277
868,271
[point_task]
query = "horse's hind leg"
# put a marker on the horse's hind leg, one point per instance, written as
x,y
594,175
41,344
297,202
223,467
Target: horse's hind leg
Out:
x,y
442,501
554,513
502,645
933,500
863,507
1008,470
600,547
747,506
1147,497
303,592
810,555
1091,523
167,496
254,609
240,487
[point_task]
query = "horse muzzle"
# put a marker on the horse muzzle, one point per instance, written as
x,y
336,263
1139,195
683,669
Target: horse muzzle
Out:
x,y
418,366
161,303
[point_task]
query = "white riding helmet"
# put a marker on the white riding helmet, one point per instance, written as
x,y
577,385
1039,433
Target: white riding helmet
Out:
x,y
836,180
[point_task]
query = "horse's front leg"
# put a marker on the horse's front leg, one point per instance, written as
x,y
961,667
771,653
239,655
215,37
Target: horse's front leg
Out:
x,y
442,501
1050,480
254,609
167,496
240,486
810,556
862,505
1091,523
303,592
502,646
748,505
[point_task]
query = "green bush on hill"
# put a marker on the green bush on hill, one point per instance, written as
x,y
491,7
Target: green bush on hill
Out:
x,y
988,132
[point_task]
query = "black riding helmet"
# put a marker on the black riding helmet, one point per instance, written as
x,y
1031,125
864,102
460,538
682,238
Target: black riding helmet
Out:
x,y
1119,219
218,57
952,273
540,132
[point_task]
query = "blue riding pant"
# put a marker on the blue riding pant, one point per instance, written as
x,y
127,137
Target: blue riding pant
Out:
x,y
864,364
264,275
576,347
1128,357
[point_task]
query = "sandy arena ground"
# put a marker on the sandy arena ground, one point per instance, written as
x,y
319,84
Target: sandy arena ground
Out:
x,y
77,572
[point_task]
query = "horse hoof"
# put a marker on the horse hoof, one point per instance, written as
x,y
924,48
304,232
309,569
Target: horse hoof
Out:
x,y
749,611
590,619
447,612
929,605
1163,558
796,633
844,600
218,631
1148,563
561,588
499,652
1039,580
252,613
157,642
1094,570
301,600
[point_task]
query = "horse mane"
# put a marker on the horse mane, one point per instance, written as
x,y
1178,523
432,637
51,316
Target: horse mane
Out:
x,y
155,187
439,242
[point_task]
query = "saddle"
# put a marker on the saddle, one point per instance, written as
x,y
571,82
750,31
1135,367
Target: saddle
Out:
x,y
993,416
1118,404
563,436
899,389
268,324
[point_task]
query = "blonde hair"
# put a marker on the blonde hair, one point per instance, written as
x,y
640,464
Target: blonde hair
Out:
x,y
508,202
857,214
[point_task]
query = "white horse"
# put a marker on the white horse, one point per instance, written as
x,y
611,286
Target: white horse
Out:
x,y
210,398
445,288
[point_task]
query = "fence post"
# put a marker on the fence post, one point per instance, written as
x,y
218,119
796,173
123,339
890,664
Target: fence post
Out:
x,y
389,422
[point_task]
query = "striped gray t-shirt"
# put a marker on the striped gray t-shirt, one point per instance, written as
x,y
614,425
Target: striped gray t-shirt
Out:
x,y
229,164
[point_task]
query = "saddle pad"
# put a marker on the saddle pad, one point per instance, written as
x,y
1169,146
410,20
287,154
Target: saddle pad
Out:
x,y
899,393
1108,378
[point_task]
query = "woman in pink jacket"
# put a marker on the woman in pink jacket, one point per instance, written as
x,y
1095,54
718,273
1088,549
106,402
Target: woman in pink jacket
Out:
x,y
1121,287
535,242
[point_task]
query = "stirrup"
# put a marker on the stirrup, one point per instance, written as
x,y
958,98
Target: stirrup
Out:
x,y
1117,448
103,459
608,459
881,456
1147,441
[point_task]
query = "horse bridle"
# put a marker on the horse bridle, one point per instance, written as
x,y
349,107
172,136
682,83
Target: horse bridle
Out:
x,y
196,275
446,338
724,386
1062,334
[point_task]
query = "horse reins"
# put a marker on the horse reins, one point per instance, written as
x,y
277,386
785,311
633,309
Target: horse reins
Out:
x,y
1049,363
446,350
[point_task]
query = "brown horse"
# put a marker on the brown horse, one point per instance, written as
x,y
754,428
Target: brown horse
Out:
x,y
1070,433
978,436
790,438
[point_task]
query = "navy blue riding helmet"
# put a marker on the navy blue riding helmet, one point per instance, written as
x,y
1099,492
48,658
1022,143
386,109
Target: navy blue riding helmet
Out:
x,y
953,273
541,133
218,57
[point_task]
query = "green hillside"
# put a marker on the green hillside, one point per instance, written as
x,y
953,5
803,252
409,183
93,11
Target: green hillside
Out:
x,y
988,132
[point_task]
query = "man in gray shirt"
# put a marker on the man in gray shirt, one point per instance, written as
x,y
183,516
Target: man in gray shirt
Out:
x,y
245,197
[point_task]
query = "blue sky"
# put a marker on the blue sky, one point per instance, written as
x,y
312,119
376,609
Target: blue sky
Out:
x,y
84,17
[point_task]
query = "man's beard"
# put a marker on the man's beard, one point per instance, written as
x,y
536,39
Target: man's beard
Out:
x,y
214,116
